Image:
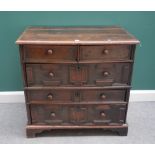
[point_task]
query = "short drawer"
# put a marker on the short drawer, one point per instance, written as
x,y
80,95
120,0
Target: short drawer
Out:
x,y
101,74
105,52
78,114
66,96
38,53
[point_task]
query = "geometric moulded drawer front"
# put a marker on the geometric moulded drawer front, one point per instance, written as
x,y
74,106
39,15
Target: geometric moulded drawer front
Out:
x,y
78,114
105,74
74,96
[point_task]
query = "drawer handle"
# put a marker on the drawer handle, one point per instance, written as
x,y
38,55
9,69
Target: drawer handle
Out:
x,y
106,52
50,51
50,96
52,114
103,96
102,114
51,74
106,73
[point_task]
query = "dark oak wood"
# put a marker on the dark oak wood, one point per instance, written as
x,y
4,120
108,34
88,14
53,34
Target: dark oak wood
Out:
x,y
78,114
50,52
81,95
105,52
33,130
102,74
77,77
76,35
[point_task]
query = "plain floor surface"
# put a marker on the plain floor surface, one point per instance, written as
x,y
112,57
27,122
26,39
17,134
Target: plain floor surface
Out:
x,y
141,120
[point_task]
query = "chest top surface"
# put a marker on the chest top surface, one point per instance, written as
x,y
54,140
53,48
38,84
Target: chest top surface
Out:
x,y
76,35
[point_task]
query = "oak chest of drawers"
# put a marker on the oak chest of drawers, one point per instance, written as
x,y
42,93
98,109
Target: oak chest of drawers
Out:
x,y
76,77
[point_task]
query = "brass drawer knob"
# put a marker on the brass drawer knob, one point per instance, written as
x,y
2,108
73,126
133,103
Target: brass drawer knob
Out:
x,y
51,74
106,52
52,114
102,114
50,51
106,73
103,96
50,96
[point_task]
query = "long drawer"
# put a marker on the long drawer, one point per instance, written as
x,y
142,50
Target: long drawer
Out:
x,y
102,74
65,96
78,114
